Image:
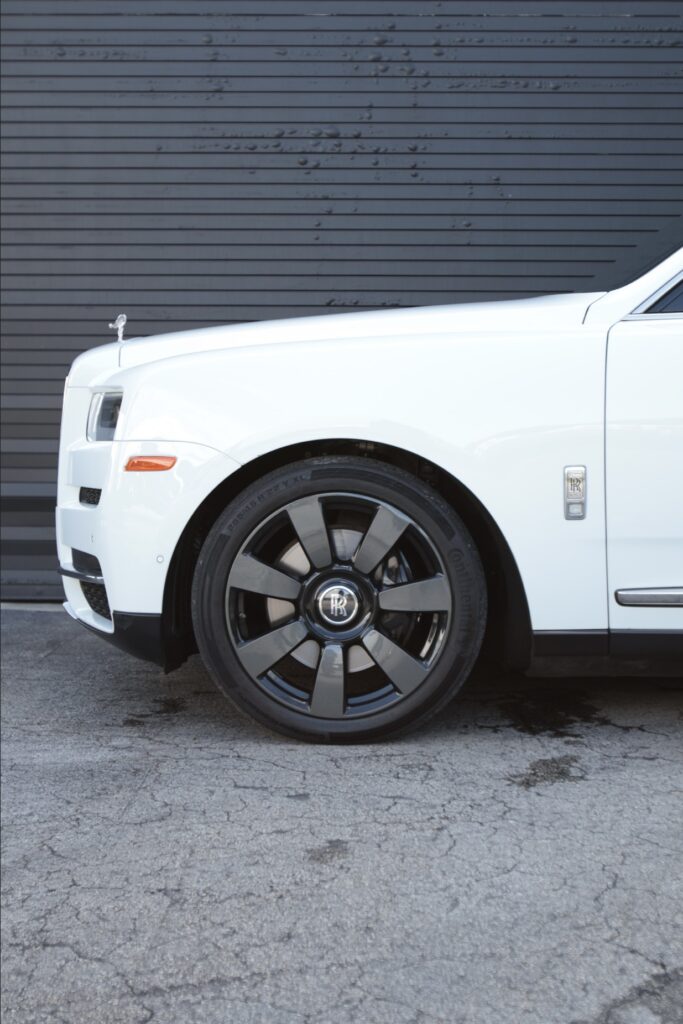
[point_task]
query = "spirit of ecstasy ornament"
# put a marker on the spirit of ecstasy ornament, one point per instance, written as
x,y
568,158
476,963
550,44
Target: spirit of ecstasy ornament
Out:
x,y
119,324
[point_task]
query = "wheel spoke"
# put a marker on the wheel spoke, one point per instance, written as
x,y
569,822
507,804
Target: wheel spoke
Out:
x,y
309,523
248,573
258,655
328,693
383,532
432,595
405,672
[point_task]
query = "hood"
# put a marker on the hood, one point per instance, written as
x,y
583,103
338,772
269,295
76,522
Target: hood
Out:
x,y
561,312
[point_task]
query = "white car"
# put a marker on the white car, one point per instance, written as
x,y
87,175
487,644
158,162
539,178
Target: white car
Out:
x,y
338,511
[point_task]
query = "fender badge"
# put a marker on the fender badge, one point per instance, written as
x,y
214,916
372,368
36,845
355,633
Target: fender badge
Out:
x,y
574,492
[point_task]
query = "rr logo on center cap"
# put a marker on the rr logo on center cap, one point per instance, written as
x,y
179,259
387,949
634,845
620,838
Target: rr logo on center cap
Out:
x,y
337,604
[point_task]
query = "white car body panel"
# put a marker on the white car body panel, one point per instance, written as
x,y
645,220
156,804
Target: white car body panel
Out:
x,y
644,447
469,404
501,395
394,323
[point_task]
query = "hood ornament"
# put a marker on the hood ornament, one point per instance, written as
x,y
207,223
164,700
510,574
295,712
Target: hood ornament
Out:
x,y
118,325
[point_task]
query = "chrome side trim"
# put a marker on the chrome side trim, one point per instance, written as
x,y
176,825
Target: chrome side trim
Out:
x,y
654,317
651,597
84,577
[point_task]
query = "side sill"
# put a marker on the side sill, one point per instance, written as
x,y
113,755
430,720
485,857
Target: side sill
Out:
x,y
589,643
650,643
627,643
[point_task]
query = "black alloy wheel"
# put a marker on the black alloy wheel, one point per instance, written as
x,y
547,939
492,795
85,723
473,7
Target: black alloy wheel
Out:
x,y
339,599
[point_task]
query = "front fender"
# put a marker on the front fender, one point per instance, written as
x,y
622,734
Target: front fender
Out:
x,y
503,414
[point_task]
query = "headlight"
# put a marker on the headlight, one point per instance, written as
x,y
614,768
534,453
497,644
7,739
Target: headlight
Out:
x,y
103,415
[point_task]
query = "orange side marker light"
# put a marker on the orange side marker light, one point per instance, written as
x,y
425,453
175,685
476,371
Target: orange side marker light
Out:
x,y
150,463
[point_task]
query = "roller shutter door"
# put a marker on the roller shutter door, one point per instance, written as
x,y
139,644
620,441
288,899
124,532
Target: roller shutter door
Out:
x,y
197,162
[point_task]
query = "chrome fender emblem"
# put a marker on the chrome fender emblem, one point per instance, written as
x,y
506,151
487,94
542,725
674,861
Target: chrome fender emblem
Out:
x,y
574,492
118,325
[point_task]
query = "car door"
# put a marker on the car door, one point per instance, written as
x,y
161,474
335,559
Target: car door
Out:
x,y
644,467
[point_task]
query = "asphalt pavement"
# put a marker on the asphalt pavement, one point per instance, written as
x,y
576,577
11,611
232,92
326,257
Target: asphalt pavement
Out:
x,y
520,861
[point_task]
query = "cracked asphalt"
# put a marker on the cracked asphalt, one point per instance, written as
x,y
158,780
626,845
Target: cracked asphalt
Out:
x,y
520,861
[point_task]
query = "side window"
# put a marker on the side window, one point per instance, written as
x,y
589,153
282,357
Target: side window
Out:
x,y
670,302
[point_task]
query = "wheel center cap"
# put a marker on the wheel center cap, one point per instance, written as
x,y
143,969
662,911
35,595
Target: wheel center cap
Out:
x,y
337,604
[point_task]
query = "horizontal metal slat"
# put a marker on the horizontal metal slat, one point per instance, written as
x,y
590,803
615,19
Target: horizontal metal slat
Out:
x,y
88,136
452,63
358,165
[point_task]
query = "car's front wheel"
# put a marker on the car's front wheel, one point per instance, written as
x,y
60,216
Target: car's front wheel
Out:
x,y
339,599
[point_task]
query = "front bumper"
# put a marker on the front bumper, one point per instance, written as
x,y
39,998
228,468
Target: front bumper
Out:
x,y
117,531
143,636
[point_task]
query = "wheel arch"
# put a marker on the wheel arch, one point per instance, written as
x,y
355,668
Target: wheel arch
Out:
x,y
508,635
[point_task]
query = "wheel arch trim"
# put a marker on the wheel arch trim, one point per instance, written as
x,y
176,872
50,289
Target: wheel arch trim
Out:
x,y
509,632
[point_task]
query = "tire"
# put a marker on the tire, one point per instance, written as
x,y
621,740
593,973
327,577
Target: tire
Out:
x,y
339,599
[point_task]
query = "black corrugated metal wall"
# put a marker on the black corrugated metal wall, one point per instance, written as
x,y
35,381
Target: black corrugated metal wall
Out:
x,y
206,161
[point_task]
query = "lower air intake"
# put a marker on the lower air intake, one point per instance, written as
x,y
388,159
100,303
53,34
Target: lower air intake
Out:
x,y
89,495
96,596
